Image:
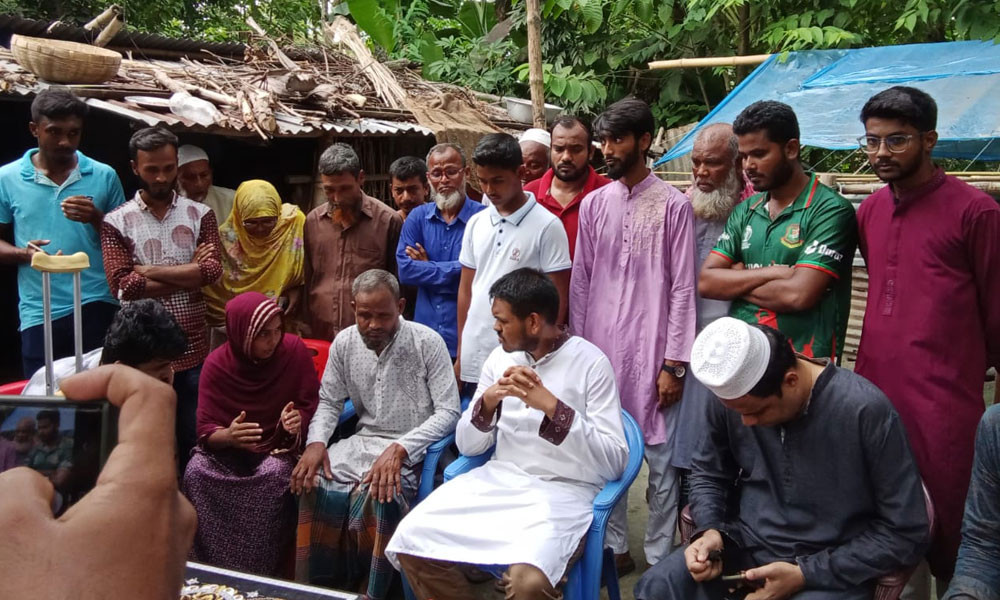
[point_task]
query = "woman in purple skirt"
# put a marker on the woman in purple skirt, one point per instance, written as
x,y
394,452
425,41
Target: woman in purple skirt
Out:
x,y
256,395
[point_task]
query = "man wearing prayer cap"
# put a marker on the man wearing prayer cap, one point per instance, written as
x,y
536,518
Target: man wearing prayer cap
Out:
x,y
194,178
827,496
535,145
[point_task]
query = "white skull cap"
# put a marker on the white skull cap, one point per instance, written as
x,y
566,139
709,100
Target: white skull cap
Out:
x,y
188,153
537,135
729,357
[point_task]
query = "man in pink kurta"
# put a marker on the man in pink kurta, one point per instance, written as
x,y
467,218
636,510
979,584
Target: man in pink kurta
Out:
x,y
932,324
632,293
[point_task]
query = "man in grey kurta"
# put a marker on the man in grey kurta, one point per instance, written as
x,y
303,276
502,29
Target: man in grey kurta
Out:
x,y
827,496
400,378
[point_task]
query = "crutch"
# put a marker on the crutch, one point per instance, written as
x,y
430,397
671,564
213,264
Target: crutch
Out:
x,y
47,264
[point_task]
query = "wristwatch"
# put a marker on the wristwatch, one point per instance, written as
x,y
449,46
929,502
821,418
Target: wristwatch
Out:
x,y
678,371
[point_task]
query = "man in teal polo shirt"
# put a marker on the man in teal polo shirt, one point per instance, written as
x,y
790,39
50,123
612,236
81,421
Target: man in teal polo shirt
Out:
x,y
785,256
56,197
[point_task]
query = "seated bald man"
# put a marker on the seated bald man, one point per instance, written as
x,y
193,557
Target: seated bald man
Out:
x,y
827,496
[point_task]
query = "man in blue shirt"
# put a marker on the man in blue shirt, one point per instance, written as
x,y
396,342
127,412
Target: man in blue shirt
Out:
x,y
54,196
429,245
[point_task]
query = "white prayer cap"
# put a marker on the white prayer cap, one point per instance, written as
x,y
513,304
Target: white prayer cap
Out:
x,y
729,357
188,153
537,135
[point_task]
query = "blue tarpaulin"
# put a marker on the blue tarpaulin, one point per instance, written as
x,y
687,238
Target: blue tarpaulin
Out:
x,y
827,89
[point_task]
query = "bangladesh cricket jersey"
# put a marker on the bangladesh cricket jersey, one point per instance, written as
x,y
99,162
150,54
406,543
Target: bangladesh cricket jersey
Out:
x,y
816,231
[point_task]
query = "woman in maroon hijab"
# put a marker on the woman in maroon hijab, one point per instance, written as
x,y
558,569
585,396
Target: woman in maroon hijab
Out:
x,y
256,395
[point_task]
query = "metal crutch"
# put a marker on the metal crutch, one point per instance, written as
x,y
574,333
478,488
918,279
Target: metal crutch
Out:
x,y
47,264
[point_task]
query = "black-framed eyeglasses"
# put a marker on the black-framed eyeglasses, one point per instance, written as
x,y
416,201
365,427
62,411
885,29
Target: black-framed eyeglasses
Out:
x,y
894,143
439,174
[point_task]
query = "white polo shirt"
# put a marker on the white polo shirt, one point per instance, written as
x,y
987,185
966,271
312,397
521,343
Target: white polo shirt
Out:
x,y
495,245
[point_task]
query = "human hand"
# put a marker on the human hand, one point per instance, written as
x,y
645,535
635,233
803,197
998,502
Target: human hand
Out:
x,y
524,383
384,479
203,252
458,369
304,473
669,389
696,556
33,246
244,435
142,269
291,418
95,542
417,253
81,209
781,580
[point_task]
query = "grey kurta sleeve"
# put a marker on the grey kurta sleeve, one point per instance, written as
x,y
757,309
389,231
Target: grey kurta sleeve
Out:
x,y
713,471
444,394
897,535
332,394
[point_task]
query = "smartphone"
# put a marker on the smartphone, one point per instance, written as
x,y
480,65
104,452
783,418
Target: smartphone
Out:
x,y
67,442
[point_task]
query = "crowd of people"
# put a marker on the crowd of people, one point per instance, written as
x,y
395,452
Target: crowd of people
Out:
x,y
526,323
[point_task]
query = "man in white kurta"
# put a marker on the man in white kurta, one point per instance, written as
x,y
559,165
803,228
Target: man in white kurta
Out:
x,y
549,403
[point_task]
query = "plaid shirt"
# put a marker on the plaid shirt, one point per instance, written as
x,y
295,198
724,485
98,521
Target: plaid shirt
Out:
x,y
133,235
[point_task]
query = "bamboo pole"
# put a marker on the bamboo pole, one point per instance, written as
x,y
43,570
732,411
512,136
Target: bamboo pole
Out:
x,y
711,61
535,73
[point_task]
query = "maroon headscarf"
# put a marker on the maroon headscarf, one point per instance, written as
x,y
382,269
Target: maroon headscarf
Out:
x,y
231,381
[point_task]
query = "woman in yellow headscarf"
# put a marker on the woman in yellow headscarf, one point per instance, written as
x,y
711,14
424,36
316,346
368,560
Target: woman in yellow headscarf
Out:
x,y
262,252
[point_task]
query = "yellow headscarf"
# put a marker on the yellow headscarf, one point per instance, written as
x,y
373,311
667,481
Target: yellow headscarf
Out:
x,y
268,265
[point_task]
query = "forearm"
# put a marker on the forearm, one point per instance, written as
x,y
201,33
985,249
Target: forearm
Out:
x,y
439,424
12,255
219,439
727,283
709,498
187,276
324,421
470,439
426,272
780,296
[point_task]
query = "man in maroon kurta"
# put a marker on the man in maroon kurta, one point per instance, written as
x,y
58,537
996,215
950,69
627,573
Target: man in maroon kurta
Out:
x,y
932,324
571,178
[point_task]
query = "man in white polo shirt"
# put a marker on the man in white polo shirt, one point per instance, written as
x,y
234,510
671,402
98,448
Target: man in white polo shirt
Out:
x,y
514,232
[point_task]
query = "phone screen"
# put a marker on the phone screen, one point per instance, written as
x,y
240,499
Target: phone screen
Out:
x,y
67,442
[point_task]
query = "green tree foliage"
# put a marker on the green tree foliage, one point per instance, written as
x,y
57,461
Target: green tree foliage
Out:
x,y
596,51
214,20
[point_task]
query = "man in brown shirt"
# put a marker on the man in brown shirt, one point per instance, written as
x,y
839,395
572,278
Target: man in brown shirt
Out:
x,y
345,237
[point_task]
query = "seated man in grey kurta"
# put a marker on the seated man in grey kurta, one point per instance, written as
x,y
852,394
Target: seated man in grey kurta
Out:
x,y
828,497
400,378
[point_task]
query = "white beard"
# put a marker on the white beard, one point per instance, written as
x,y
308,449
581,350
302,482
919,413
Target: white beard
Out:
x,y
448,202
716,206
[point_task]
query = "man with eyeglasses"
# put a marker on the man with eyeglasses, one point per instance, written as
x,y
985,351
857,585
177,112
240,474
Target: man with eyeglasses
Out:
x,y
932,246
431,240
784,258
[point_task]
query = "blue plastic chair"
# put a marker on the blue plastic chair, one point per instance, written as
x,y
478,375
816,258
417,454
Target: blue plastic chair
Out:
x,y
584,581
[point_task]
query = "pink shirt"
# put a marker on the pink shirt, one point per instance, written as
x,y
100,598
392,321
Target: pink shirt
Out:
x,y
632,291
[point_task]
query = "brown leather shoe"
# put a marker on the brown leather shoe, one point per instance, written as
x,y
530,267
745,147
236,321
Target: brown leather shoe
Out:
x,y
624,564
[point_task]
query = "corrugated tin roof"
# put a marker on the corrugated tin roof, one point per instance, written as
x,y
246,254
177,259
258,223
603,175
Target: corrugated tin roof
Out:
x,y
288,125
125,41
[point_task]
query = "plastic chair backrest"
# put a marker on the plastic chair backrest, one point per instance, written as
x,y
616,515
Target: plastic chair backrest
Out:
x,y
13,388
584,581
320,350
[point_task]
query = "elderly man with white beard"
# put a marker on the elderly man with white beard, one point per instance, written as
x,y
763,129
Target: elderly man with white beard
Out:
x,y
429,245
718,186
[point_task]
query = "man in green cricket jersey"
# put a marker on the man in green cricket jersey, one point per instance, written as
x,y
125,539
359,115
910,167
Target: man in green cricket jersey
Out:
x,y
785,256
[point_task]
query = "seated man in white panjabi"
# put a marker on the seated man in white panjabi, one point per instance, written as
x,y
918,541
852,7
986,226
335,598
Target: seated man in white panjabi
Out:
x,y
549,402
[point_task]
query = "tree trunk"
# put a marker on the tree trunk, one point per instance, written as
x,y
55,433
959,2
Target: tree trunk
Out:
x,y
743,42
536,79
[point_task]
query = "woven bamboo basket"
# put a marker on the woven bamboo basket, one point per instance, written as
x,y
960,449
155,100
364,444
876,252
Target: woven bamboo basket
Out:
x,y
65,62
